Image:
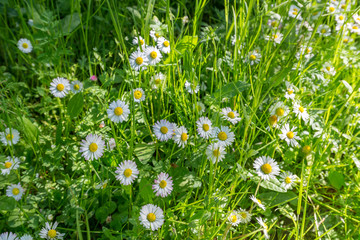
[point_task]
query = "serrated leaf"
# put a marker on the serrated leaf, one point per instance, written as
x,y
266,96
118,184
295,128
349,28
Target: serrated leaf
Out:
x,y
231,90
75,105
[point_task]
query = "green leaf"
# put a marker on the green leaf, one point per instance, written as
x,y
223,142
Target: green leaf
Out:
x,y
231,90
187,43
145,190
30,130
75,105
336,179
7,203
111,207
273,184
69,23
101,214
277,199
144,152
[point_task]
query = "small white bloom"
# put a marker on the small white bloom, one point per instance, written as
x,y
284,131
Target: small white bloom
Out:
x,y
279,109
30,22
163,45
76,86
340,18
305,52
26,237
204,127
163,185
139,41
24,45
200,108
289,135
223,135
151,217
234,218
253,57
332,8
8,236
139,95
192,88
274,20
301,112
215,152
127,172
245,216
10,136
266,168
92,147
181,136
15,191
294,12
257,202
356,18
275,37
138,60
49,232
118,111
288,180
264,226
158,81
154,35
230,115
353,27
153,55
60,87
324,30
290,89
163,130
328,69
10,164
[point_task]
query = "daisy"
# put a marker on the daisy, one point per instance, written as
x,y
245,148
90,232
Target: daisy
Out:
x,y
230,115
274,20
300,112
294,12
92,147
138,60
305,52
163,45
289,94
191,87
154,35
10,164
24,45
353,27
279,109
223,135
118,111
340,18
347,39
345,5
139,95
244,215
10,136
266,167
306,149
163,185
200,108
49,231
163,130
139,41
127,172
181,136
76,86
26,237
273,121
257,202
264,226
331,8
289,135
329,69
324,30
275,37
204,127
215,152
15,191
253,57
288,180
234,218
102,184
153,54
151,217
157,81
60,87
356,18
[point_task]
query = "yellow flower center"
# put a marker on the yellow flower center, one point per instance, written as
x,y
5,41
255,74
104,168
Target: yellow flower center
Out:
x,y
323,30
164,130
118,111
280,112
15,191
216,153
308,50
76,87
184,137
273,119
294,12
231,115
141,42
137,94
9,137
274,23
25,45
328,68
8,164
157,81
127,172
222,136
332,9
290,135
258,201
252,57
206,127
306,149
341,17
343,6
163,184
139,60
355,27
276,36
290,91
52,233
104,186
60,87
151,217
166,43
301,109
93,147
287,180
233,218
157,35
346,40
243,215
266,168
153,54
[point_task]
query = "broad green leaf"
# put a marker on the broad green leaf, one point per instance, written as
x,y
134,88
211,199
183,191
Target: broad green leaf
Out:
x,y
144,152
187,43
272,184
145,190
336,179
277,199
231,89
75,105
69,23
31,131
7,203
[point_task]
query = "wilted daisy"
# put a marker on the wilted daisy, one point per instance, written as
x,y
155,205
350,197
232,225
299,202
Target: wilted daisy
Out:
x,y
234,218
151,217
266,167
139,41
24,45
163,130
92,147
163,185
328,69
60,87
118,111
253,57
257,202
163,45
127,172
153,55
49,231
157,81
275,37
8,236
191,87
204,127
289,135
301,112
139,95
230,115
215,152
324,30
26,237
15,191
181,136
138,60
279,109
223,135
244,215
76,86
288,180
264,227
10,136
10,164
294,12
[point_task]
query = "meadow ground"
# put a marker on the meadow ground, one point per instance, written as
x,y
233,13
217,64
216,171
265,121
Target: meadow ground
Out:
x,y
187,119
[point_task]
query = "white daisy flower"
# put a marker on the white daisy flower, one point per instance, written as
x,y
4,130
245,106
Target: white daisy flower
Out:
x,y
60,87
139,41
181,136
223,135
163,185
118,111
253,57
347,39
273,120
163,130
153,54
266,168
356,18
157,81
264,227
102,184
340,18
204,127
8,236
289,135
289,94
163,45
10,164
301,112
154,35
10,136
192,87
279,109
215,152
200,108
76,86
275,37
294,12
305,52
230,115
151,217
49,231
15,191
328,69
24,45
288,180
234,218
139,95
26,237
332,8
324,30
257,202
138,60
127,172
245,216
274,20
353,27
92,147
